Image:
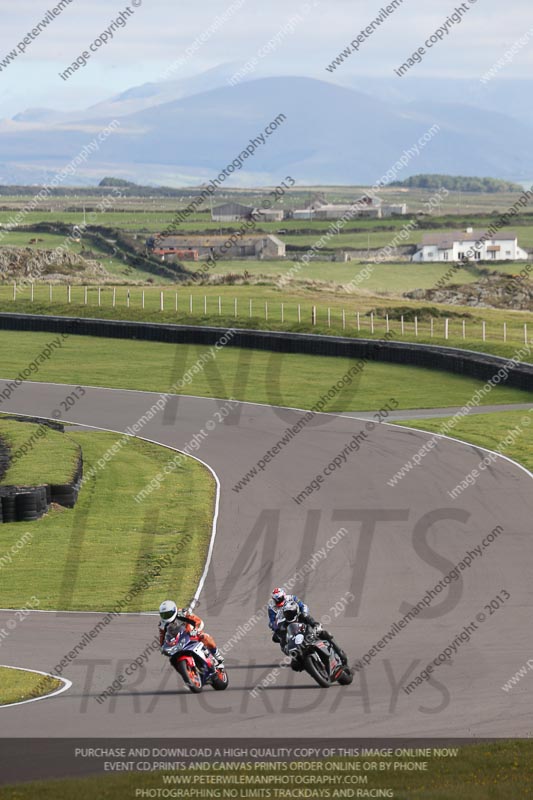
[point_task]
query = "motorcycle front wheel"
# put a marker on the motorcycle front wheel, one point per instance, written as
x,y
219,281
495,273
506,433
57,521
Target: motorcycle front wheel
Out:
x,y
316,669
220,680
190,675
346,677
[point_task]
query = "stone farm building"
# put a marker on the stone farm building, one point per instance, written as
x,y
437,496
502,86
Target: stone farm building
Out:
x,y
365,206
226,246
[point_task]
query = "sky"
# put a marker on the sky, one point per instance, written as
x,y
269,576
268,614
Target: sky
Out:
x,y
310,34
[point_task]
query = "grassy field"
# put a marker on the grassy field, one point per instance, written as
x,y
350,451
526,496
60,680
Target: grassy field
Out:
x,y
38,454
355,233
491,430
499,771
389,278
268,308
89,557
17,685
274,378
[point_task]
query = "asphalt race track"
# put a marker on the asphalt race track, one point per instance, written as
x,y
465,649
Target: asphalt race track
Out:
x,y
399,542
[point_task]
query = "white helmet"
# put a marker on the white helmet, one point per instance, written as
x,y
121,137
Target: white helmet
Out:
x,y
290,610
168,611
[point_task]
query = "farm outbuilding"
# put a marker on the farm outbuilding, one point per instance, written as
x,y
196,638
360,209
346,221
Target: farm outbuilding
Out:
x,y
228,246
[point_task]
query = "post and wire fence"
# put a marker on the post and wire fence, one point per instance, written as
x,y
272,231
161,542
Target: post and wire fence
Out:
x,y
206,307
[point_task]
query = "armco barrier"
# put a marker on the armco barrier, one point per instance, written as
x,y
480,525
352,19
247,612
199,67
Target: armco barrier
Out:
x,y
463,362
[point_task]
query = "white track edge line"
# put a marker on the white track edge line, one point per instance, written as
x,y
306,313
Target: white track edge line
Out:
x,y
65,681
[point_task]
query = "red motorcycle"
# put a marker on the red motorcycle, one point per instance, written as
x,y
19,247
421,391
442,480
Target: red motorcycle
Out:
x,y
191,658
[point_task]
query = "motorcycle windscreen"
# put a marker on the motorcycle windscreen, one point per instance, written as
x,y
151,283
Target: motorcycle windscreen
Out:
x,y
175,630
295,635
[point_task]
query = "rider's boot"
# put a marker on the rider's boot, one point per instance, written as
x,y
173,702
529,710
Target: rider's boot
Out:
x,y
219,658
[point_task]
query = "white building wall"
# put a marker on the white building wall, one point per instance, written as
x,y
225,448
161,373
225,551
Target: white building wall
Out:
x,y
509,251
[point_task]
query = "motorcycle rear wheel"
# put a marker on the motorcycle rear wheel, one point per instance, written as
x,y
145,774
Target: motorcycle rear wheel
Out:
x,y
190,675
319,675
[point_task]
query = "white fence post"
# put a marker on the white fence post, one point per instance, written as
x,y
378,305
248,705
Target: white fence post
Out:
x,y
32,292
329,317
416,326
250,307
431,322
235,305
387,322
282,313
161,302
99,295
402,325
299,313
313,315
50,292
85,296
358,321
219,305
371,322
446,327
128,298
464,329
114,296
14,290
484,330
68,293
504,331
266,309
176,303
190,304
205,305
343,319
142,301
525,332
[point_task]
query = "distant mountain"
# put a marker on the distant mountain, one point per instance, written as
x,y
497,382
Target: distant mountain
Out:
x,y
505,95
174,135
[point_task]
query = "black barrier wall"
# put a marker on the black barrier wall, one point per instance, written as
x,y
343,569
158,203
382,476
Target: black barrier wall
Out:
x,y
463,362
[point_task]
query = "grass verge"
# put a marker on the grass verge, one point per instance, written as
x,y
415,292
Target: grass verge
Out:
x,y
18,684
281,379
38,454
507,432
499,771
89,557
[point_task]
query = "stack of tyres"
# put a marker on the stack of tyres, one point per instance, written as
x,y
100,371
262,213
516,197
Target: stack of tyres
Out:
x,y
27,506
64,494
8,508
42,502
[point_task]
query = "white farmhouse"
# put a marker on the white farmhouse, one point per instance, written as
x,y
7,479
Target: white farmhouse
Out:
x,y
455,245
